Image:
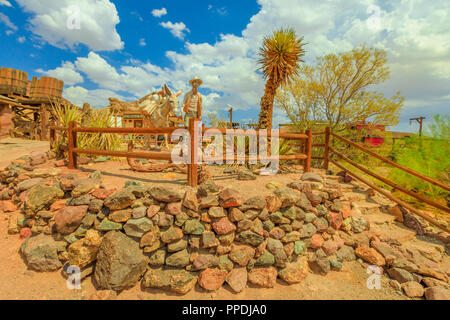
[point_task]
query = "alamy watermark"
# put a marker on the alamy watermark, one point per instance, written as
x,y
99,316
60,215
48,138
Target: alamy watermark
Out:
x,y
374,280
73,21
73,282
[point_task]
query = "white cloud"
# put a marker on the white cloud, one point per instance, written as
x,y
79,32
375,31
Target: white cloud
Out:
x,y
97,21
178,29
159,12
5,20
66,72
96,98
142,42
21,39
5,3
414,34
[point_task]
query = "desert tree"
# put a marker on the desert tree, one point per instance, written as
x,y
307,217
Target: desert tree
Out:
x,y
280,55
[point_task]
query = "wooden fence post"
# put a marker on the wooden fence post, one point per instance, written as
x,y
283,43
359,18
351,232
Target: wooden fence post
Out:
x,y
52,137
72,139
193,171
308,151
326,152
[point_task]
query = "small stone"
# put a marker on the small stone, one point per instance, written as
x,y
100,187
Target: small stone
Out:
x,y
242,254
263,277
237,279
437,293
120,216
223,226
216,212
107,225
370,255
212,279
171,235
178,259
295,272
413,289
193,226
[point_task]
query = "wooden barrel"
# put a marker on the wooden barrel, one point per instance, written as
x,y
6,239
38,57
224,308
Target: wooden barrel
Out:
x,y
13,81
46,88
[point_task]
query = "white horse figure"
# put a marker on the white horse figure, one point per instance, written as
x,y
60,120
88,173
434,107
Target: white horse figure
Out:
x,y
157,107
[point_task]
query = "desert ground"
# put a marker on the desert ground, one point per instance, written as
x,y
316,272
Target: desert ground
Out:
x,y
17,282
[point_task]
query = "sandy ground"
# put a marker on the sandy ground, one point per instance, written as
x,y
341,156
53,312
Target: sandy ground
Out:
x,y
19,283
13,148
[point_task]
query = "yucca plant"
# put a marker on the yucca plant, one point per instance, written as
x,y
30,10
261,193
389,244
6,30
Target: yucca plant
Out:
x,y
281,53
100,118
63,115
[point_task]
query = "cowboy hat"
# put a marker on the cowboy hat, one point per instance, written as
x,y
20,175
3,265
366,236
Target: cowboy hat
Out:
x,y
195,80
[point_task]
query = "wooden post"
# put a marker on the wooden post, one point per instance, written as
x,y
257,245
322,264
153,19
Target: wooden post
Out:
x,y
308,151
52,133
326,152
44,121
193,172
72,137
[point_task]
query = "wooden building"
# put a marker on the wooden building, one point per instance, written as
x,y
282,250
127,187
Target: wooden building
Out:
x,y
26,106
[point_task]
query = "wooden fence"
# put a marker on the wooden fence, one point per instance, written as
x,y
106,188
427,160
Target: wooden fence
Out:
x,y
327,159
192,173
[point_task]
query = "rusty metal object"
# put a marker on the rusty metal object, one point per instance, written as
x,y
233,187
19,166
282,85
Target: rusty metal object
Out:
x,y
151,167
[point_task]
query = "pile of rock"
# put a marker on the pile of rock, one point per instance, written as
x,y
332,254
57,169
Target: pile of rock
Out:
x,y
172,239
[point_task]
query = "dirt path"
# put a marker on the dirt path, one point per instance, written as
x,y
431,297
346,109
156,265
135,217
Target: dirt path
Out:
x,y
13,148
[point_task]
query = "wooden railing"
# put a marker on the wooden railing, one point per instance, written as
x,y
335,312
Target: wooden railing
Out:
x,y
192,172
327,159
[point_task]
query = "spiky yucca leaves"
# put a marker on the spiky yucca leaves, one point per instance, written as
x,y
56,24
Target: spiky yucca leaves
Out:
x,y
63,115
281,53
100,118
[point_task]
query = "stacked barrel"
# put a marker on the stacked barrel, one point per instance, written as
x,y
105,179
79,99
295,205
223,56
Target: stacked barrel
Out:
x,y
13,81
46,88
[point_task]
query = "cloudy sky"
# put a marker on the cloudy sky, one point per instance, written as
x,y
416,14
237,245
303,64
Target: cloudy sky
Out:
x,y
126,49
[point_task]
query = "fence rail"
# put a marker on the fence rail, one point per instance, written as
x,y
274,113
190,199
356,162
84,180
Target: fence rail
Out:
x,y
328,148
192,172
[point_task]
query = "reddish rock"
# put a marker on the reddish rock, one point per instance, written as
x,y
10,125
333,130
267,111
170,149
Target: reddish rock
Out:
x,y
223,226
58,204
437,293
346,211
337,220
237,279
9,206
212,279
235,215
329,247
190,200
152,210
316,241
173,208
229,198
25,233
295,272
263,277
241,254
413,289
370,255
273,203
68,219
102,194
22,177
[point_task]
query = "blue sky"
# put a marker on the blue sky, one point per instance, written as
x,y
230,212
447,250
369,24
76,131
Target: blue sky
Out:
x,y
126,49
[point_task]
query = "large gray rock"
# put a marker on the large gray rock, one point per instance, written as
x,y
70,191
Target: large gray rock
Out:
x,y
41,197
41,253
166,194
120,262
29,183
120,200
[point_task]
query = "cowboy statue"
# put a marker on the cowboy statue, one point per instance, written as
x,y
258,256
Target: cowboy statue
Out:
x,y
192,103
